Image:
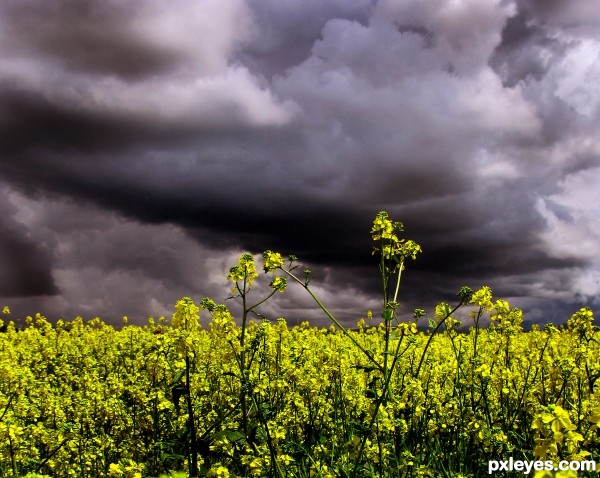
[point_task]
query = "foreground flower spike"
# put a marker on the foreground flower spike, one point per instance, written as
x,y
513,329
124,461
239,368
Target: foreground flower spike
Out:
x,y
272,261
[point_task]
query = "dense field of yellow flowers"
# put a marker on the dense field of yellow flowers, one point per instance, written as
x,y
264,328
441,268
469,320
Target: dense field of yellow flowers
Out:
x,y
262,399
90,401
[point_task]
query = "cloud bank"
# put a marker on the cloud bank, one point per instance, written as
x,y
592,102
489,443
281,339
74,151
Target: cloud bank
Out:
x,y
143,147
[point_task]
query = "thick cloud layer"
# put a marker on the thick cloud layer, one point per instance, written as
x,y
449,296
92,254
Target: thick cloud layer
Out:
x,y
142,147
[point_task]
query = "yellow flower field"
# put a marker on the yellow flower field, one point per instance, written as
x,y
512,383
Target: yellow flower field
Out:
x,y
87,400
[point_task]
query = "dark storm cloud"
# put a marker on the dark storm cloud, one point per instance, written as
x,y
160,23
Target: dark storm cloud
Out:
x,y
87,37
228,125
25,268
524,51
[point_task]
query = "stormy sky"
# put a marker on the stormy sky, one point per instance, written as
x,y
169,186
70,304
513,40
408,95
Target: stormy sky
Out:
x,y
145,144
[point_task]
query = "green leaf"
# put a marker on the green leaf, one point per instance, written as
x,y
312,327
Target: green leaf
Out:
x,y
366,368
234,436
178,376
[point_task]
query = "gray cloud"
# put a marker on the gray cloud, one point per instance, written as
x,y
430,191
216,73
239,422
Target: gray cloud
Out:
x,y
25,266
145,139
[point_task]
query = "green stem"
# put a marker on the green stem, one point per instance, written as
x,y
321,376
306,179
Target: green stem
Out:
x,y
262,301
243,377
12,456
378,403
388,321
272,451
12,396
401,266
334,320
191,419
433,334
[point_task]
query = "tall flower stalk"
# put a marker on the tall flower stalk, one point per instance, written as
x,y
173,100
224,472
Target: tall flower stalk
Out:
x,y
393,252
